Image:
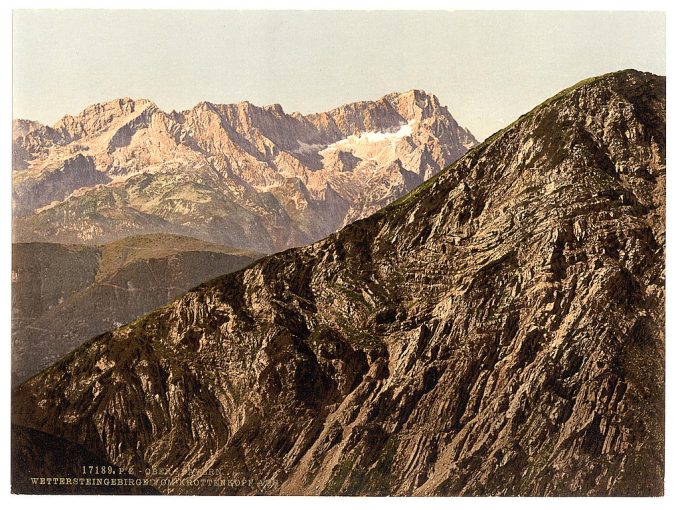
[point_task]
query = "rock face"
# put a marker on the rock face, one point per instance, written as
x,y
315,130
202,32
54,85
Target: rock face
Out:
x,y
33,190
21,127
239,175
65,294
498,331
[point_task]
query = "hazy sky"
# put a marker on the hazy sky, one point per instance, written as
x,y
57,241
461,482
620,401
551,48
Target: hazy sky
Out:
x,y
487,67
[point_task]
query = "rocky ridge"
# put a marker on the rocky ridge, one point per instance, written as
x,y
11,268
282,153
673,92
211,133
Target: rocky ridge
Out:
x,y
237,174
498,331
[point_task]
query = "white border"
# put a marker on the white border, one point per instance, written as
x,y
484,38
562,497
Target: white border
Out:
x,y
673,258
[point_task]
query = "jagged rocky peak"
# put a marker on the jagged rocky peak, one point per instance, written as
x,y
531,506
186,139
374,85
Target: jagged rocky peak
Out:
x,y
99,117
276,108
241,174
416,104
116,108
21,127
497,331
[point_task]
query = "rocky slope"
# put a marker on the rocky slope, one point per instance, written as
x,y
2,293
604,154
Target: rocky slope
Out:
x,y
239,175
65,294
498,331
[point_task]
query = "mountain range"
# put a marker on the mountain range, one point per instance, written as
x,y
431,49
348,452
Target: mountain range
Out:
x,y
238,175
496,331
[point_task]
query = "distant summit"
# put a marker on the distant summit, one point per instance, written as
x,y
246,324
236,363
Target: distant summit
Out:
x,y
236,174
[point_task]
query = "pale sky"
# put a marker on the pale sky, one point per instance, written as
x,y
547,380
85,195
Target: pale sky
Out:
x,y
487,67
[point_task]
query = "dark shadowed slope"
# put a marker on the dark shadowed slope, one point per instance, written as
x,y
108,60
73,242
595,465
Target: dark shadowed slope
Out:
x,y
65,294
44,464
499,331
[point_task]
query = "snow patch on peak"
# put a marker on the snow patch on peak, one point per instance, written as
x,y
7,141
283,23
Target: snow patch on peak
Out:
x,y
371,137
380,146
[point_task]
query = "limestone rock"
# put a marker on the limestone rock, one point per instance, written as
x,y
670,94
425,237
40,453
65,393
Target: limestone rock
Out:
x,y
239,175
